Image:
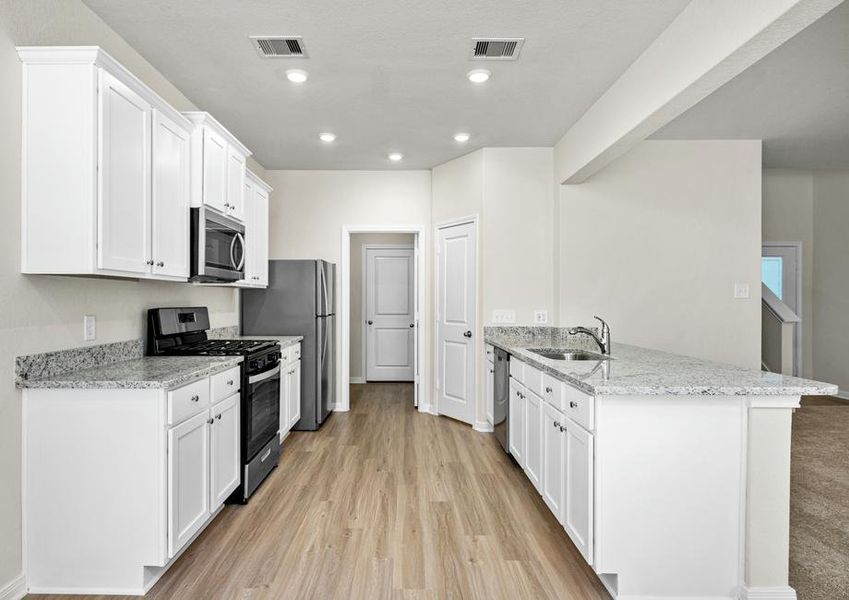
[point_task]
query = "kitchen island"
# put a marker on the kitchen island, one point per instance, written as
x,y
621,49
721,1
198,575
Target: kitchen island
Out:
x,y
669,473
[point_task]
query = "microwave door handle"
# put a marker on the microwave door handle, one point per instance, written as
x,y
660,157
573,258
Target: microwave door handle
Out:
x,y
242,243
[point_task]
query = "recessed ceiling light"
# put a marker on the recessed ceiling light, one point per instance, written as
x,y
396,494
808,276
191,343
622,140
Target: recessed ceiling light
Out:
x,y
296,75
478,75
461,137
396,156
327,137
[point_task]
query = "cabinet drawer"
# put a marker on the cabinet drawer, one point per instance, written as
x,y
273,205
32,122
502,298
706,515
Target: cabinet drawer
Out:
x,y
187,401
533,380
552,391
578,406
517,369
226,383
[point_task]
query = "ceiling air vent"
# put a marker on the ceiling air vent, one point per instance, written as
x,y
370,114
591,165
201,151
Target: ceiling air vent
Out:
x,y
496,48
279,46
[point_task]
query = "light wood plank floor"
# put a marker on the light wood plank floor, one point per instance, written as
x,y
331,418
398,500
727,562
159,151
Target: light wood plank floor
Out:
x,y
385,502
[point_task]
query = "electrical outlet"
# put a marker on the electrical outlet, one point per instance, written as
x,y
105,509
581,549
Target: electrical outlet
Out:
x,y
741,290
89,327
540,317
503,316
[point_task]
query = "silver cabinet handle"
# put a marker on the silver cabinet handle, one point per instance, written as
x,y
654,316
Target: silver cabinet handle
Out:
x,y
195,398
548,390
230,382
573,404
492,370
218,416
556,424
160,264
210,421
148,262
562,428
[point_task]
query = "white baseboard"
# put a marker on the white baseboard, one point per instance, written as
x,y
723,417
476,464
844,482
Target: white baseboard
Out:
x,y
483,426
15,589
427,408
339,408
784,592
356,380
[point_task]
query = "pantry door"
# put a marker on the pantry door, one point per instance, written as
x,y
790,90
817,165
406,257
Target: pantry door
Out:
x,y
390,314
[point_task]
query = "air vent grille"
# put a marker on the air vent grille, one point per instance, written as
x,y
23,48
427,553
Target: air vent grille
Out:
x,y
496,48
282,46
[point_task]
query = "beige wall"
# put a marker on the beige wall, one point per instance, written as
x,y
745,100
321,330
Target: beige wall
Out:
x,y
358,243
309,209
788,216
40,313
831,278
656,241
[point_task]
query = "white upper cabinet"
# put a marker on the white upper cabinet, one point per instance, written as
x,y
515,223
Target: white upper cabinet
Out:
x,y
124,180
219,166
257,194
105,189
170,215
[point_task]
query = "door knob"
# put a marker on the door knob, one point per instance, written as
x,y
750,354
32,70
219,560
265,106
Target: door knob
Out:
x,y
468,334
370,322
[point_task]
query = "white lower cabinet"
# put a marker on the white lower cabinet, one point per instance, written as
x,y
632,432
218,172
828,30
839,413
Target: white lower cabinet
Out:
x,y
516,425
555,452
490,390
290,389
578,504
533,439
224,460
188,480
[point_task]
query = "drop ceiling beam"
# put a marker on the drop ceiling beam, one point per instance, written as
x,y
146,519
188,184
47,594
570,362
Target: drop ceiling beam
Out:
x,y
707,45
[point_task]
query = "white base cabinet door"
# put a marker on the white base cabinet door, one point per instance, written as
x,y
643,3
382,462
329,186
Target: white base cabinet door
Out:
x,y
533,439
578,506
294,394
516,424
188,480
553,465
224,451
490,392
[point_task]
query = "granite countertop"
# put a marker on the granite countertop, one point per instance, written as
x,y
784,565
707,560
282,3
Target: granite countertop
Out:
x,y
633,370
149,372
285,340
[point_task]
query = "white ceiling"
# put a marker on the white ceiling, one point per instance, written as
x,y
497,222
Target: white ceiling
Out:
x,y
796,99
389,75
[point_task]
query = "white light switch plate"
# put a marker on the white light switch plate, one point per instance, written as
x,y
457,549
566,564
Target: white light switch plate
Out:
x,y
741,290
541,317
89,327
503,316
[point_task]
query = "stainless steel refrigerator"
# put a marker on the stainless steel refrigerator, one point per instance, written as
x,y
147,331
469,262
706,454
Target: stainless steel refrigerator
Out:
x,y
300,300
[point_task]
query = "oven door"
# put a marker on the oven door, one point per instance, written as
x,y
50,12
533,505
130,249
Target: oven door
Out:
x,y
218,247
262,410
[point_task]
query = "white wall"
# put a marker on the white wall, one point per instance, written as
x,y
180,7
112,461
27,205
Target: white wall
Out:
x,y
358,243
655,242
788,216
309,209
831,278
41,313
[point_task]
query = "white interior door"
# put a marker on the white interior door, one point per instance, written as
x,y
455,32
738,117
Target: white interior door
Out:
x,y
390,314
456,320
781,272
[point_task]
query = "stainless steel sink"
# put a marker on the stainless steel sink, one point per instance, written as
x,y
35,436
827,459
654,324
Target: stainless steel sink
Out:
x,y
558,354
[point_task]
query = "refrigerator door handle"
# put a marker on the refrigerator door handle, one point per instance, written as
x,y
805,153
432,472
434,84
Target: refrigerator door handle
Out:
x,y
324,291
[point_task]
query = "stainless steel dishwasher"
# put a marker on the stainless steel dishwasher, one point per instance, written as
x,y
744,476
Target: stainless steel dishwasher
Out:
x,y
501,398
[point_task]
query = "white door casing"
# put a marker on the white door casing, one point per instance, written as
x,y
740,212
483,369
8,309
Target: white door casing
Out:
x,y
123,179
170,198
390,314
456,320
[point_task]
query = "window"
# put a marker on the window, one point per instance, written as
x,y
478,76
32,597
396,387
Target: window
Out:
x,y
771,274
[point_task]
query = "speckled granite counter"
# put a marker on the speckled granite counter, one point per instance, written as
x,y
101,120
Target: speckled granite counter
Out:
x,y
641,371
149,372
285,340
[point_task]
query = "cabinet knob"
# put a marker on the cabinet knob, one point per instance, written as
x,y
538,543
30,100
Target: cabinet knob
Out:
x,y
492,370
227,205
230,382
573,404
160,264
556,424
218,416
562,428
148,262
195,398
210,421
548,390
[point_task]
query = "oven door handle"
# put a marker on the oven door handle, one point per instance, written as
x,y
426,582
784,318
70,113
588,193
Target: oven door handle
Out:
x,y
265,375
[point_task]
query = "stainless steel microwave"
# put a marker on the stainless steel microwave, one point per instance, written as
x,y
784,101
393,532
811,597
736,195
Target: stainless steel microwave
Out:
x,y
217,248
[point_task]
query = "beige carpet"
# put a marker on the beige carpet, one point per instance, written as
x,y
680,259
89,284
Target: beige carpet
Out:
x,y
819,501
